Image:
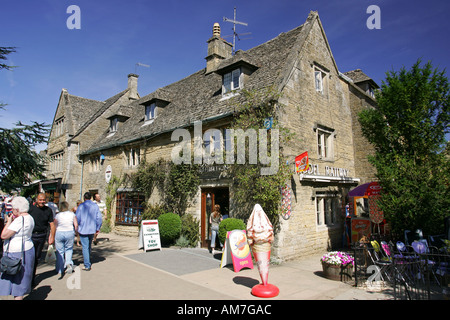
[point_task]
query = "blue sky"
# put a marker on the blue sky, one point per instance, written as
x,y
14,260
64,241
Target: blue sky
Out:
x,y
170,36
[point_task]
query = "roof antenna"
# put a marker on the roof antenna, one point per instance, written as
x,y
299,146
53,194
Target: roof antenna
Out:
x,y
140,65
235,22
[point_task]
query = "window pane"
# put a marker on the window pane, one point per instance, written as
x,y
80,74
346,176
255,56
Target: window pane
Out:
x,y
318,80
236,75
227,82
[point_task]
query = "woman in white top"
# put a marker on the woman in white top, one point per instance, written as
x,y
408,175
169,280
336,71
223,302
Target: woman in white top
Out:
x,y
66,225
17,231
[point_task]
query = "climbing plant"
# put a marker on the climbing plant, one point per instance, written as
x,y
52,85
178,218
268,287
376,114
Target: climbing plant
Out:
x,y
250,186
176,183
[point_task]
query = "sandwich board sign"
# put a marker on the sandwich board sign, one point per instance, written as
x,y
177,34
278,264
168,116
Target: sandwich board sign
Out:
x,y
149,235
237,251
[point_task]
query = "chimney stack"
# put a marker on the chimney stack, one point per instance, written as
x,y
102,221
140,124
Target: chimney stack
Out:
x,y
132,86
218,50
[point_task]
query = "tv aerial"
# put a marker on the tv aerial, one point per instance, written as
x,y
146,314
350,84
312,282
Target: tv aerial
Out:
x,y
140,65
235,34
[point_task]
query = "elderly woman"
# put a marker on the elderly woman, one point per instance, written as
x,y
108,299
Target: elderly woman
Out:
x,y
17,233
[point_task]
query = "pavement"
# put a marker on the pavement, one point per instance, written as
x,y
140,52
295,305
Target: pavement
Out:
x,y
120,271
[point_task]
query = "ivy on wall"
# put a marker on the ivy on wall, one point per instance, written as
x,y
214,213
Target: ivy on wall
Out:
x,y
249,185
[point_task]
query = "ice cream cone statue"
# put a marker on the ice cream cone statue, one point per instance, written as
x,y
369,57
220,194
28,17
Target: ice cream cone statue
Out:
x,y
260,238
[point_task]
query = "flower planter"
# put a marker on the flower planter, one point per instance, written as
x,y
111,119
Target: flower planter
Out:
x,y
337,272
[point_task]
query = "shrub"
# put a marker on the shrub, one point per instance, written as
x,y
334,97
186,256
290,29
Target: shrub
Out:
x,y
152,212
182,242
169,227
190,229
230,224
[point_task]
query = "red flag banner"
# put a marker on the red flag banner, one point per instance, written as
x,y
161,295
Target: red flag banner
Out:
x,y
301,162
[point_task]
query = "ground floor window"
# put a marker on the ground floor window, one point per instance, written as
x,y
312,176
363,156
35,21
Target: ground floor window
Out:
x,y
129,208
327,208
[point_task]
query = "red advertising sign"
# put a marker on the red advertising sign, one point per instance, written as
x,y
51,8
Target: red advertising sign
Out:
x,y
301,162
360,228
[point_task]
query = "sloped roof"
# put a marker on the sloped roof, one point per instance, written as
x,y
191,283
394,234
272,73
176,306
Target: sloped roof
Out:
x,y
199,96
359,76
78,111
91,110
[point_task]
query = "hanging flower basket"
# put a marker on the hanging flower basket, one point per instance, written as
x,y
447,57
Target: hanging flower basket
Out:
x,y
337,265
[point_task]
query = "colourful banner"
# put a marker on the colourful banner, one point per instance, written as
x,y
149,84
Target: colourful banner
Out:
x,y
302,162
237,251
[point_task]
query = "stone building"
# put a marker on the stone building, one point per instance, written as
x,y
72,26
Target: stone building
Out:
x,y
320,106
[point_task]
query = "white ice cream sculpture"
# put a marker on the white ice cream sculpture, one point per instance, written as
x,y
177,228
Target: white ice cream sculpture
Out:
x,y
260,238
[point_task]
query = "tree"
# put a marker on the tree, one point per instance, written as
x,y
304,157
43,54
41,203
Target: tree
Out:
x,y
17,159
408,130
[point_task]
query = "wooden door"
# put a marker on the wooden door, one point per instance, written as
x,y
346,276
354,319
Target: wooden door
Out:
x,y
207,207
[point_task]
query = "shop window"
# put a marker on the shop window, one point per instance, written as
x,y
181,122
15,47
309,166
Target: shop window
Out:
x,y
129,208
326,209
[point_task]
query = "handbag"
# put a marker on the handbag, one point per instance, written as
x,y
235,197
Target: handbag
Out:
x,y
10,265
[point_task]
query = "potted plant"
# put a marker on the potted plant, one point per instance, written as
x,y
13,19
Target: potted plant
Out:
x,y
337,265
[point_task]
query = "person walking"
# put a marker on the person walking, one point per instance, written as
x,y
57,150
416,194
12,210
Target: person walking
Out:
x,y
102,209
43,219
214,219
74,209
89,223
66,225
17,231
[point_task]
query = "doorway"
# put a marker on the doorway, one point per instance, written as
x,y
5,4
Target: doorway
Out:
x,y
211,197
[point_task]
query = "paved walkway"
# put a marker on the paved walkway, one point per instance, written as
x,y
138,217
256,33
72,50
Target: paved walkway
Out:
x,y
122,272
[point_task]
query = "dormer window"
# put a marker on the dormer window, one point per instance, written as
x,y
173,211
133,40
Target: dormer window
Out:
x,y
153,108
114,122
150,112
232,81
113,125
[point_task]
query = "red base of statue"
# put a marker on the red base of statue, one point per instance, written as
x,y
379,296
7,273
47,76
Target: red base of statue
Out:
x,y
265,291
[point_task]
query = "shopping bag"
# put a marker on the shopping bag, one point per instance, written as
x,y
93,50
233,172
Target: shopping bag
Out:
x,y
50,256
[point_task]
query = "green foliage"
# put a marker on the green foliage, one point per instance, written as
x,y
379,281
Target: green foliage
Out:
x,y
249,185
190,227
148,176
180,186
4,51
408,131
153,211
169,227
230,224
18,160
177,183
182,242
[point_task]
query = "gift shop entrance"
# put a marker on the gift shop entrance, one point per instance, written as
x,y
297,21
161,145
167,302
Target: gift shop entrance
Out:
x,y
211,197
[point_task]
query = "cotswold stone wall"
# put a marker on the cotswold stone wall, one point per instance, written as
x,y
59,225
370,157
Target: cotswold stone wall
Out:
x,y
304,111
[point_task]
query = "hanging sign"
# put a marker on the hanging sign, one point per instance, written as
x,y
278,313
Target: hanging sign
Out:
x,y
237,251
301,162
149,234
108,172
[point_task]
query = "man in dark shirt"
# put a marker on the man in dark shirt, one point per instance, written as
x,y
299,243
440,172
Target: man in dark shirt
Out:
x,y
43,218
